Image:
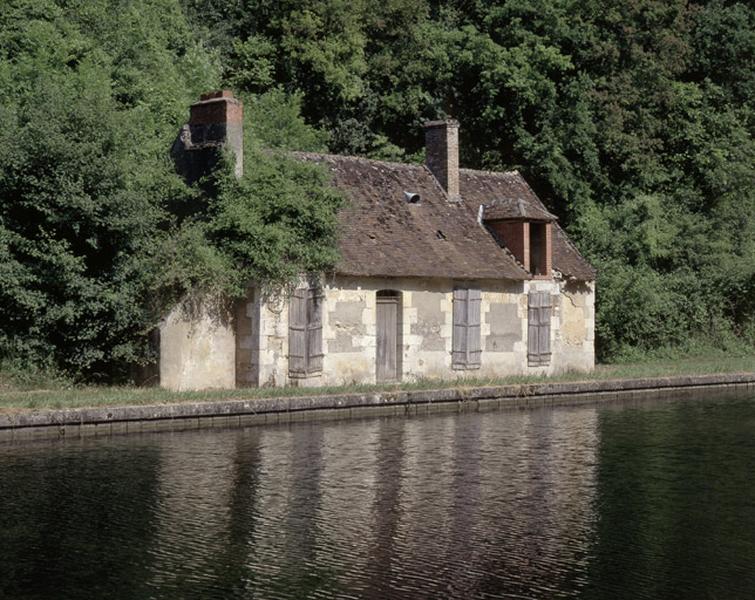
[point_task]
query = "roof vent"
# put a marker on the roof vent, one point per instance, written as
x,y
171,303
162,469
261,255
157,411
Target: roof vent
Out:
x,y
412,197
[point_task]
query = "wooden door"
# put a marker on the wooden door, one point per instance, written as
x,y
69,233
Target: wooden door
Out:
x,y
387,321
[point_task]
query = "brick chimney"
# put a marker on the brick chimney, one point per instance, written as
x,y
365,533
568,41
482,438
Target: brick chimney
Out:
x,y
217,120
442,149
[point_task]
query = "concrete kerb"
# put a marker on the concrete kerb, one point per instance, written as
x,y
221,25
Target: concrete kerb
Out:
x,y
227,413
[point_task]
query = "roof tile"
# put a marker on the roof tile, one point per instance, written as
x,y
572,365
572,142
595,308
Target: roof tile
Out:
x,y
382,234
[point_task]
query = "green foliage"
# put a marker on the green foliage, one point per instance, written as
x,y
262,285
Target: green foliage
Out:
x,y
275,222
83,174
632,120
93,247
274,121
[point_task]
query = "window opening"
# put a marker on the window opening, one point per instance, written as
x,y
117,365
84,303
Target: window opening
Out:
x,y
538,263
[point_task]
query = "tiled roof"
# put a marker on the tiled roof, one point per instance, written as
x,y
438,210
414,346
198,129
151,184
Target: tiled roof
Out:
x,y
503,195
567,259
385,234
507,193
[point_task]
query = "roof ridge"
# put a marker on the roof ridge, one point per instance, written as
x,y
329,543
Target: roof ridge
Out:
x,y
494,173
349,157
391,163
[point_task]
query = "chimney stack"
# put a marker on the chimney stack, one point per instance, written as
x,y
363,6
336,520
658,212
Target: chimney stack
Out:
x,y
218,120
442,149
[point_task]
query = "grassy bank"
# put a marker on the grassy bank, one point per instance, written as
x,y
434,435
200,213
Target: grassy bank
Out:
x,y
55,394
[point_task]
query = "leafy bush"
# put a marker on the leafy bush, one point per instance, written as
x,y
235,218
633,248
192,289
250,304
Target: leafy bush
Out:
x,y
94,247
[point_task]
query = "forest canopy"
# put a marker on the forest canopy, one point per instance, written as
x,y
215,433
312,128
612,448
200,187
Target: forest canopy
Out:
x,y
632,120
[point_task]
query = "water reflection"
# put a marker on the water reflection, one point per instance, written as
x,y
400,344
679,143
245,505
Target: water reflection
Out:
x,y
549,503
63,514
386,509
680,520
191,512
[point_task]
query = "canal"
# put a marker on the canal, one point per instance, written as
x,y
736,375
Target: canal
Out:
x,y
653,500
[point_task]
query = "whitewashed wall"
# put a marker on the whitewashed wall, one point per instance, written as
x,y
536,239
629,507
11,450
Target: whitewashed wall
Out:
x,y
197,348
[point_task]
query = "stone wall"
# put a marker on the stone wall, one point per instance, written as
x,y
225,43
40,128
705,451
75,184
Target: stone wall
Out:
x,y
575,339
197,348
349,338
273,346
248,314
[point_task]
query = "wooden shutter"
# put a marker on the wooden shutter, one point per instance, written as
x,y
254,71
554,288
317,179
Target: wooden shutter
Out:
x,y
465,342
314,331
387,321
297,333
459,335
305,332
544,333
539,328
533,326
474,349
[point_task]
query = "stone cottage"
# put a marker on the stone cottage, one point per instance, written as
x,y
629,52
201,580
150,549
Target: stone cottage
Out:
x,y
444,272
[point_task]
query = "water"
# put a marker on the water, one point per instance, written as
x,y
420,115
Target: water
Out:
x,y
652,501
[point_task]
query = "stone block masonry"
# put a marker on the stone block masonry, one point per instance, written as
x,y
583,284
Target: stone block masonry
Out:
x,y
200,350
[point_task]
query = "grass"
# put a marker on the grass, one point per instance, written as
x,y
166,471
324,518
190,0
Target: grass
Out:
x,y
55,394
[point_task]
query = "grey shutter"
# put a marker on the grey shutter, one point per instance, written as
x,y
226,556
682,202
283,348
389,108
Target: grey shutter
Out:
x,y
459,335
297,333
539,328
544,333
533,326
474,348
465,343
314,331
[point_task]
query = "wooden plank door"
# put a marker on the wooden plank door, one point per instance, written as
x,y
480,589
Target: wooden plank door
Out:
x,y
387,321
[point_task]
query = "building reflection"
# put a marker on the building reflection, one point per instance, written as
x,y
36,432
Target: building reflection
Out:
x,y
266,560
387,509
455,506
483,504
298,532
348,491
234,571
191,510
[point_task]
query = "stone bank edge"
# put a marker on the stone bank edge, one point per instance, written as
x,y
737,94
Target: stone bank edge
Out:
x,y
296,408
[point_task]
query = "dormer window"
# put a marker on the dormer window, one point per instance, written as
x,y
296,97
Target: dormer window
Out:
x,y
525,230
